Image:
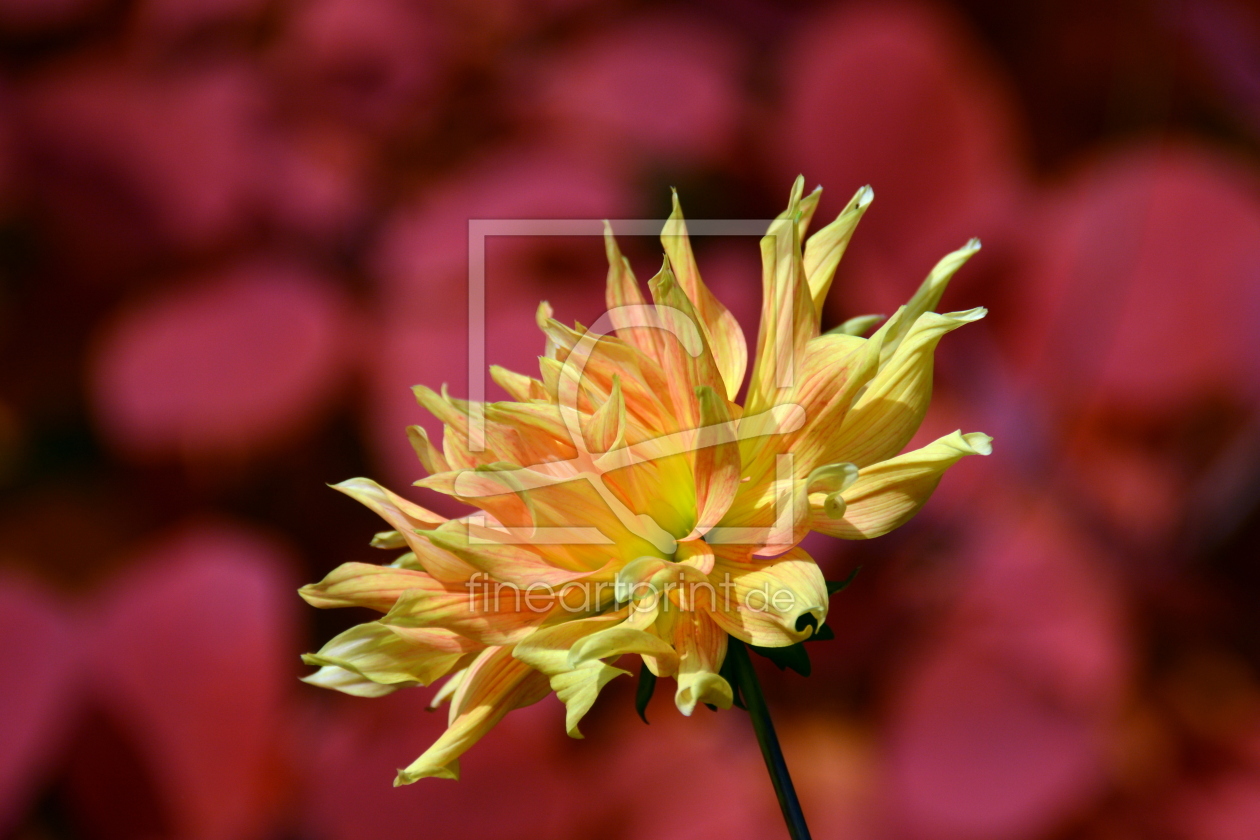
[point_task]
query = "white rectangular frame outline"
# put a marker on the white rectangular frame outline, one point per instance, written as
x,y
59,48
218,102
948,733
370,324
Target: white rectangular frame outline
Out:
x,y
479,229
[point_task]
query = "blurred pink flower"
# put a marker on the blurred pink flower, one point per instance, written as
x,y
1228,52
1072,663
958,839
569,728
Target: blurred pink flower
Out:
x,y
711,759
348,795
1139,308
902,97
1226,807
373,64
654,90
999,729
124,162
316,180
223,366
191,654
1141,289
25,17
169,21
37,691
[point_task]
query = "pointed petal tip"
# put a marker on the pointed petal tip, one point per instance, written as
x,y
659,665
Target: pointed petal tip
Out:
x,y
966,316
864,197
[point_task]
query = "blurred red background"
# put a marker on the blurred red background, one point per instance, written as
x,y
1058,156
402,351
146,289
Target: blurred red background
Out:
x,y
232,234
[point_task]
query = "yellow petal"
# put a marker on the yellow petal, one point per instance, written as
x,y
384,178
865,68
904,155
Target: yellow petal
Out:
x,y
579,503
520,387
768,516
495,684
514,563
888,413
805,212
431,458
376,653
927,296
348,682
617,641
887,494
858,325
825,248
404,515
833,373
722,332
696,553
362,585
578,687
388,540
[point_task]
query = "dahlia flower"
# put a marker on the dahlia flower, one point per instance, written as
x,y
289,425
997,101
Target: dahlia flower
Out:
x,y
628,506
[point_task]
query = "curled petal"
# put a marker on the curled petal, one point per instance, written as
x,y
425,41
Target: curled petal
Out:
x,y
769,602
701,646
619,640
886,495
431,458
830,481
859,325
606,429
520,387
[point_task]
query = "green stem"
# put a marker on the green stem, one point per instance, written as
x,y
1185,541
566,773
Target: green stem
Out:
x,y
748,686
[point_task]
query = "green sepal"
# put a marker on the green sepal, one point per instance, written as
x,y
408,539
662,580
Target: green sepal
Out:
x,y
834,586
792,656
822,634
643,691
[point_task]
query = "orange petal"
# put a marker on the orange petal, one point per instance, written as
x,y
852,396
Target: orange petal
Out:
x,y
687,359
721,330
701,646
788,319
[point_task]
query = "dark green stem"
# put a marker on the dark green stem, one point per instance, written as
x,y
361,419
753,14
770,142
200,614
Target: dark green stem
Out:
x,y
746,678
